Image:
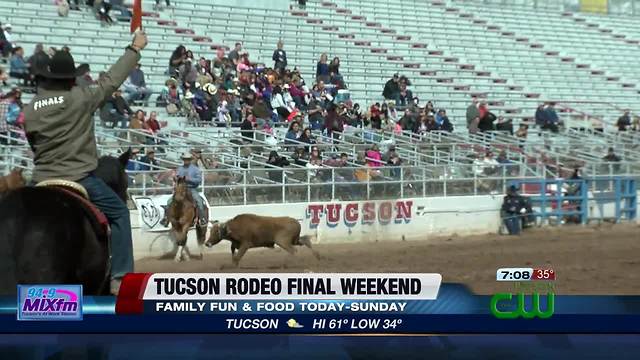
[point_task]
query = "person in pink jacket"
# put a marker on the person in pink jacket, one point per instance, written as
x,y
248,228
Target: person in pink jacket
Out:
x,y
374,158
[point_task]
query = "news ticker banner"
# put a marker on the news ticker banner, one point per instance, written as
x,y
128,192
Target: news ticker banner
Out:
x,y
311,304
144,293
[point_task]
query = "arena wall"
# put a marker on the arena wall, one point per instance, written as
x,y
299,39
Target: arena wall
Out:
x,y
335,222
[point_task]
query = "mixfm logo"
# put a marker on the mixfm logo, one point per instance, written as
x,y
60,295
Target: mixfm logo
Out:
x,y
49,302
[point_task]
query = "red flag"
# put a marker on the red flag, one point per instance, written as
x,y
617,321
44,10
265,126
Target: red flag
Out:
x,y
136,19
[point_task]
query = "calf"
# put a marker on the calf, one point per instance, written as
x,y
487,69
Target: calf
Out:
x,y
248,231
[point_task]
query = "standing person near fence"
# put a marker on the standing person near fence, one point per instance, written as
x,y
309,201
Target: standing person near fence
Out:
x,y
512,211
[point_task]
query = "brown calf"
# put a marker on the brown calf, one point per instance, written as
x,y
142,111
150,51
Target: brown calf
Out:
x,y
248,231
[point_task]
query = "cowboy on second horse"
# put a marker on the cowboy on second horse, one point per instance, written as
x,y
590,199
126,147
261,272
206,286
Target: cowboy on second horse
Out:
x,y
193,177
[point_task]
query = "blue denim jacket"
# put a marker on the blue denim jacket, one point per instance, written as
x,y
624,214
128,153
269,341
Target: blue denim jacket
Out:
x,y
193,174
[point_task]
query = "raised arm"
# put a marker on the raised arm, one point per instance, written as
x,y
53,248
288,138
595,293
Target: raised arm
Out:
x,y
118,73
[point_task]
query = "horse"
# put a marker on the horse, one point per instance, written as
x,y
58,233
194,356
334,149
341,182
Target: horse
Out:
x,y
48,236
182,214
12,181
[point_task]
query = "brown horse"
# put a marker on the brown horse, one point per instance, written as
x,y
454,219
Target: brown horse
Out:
x,y
182,214
12,181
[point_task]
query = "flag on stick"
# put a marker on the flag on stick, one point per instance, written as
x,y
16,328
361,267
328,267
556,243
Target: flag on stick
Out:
x,y
136,19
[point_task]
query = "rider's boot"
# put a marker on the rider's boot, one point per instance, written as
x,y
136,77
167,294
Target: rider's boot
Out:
x,y
165,220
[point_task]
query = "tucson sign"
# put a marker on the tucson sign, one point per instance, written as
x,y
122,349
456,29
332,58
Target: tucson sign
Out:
x,y
365,213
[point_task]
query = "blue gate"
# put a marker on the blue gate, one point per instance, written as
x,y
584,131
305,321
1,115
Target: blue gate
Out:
x,y
560,199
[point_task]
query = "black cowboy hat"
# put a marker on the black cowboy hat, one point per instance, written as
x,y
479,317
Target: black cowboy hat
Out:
x,y
62,66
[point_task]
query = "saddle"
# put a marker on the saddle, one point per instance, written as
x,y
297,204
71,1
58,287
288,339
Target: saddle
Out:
x,y
97,219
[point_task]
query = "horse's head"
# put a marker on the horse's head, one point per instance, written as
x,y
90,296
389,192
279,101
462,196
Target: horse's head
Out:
x,y
112,171
217,234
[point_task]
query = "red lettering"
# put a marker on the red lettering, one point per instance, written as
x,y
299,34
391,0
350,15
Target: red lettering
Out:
x,y
369,213
333,213
403,211
313,212
351,213
384,213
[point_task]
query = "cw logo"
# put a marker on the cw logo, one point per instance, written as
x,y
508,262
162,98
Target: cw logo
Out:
x,y
520,310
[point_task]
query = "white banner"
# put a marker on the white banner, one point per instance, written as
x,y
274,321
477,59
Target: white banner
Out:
x,y
289,286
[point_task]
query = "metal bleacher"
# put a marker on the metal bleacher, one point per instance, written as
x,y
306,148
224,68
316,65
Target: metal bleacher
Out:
x,y
498,53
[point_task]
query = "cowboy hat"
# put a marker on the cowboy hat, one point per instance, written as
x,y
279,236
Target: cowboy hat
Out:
x,y
189,95
62,66
210,88
186,156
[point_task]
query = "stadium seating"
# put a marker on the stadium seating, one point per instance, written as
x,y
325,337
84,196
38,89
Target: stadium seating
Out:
x,y
449,51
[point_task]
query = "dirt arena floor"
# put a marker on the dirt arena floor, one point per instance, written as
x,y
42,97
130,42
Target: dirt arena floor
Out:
x,y
602,259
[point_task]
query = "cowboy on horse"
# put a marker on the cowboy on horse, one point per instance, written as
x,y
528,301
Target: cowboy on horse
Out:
x,y
193,177
60,129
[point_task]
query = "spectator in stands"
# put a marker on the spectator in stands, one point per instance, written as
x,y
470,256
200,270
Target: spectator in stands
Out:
x,y
280,58
278,104
373,156
395,162
504,125
135,87
404,97
63,8
314,165
203,67
391,88
103,13
315,113
297,94
333,123
153,124
472,112
392,112
322,69
503,159
541,115
218,62
234,55
611,156
430,109
442,121
11,115
138,121
224,118
408,120
149,162
487,120
243,63
19,67
300,157
624,121
307,138
7,40
116,110
356,115
38,61
293,134
522,131
635,126
375,116
248,126
170,97
551,118
178,57
277,161
85,79
157,5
